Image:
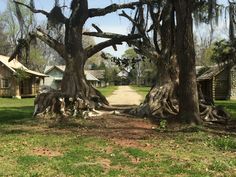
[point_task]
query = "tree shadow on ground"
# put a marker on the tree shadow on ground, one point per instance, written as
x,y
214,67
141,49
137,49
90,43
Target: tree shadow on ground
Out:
x,y
18,120
110,126
16,115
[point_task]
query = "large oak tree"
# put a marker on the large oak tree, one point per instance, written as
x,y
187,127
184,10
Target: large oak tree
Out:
x,y
171,47
72,50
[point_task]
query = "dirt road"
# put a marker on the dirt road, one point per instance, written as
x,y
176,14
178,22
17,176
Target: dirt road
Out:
x,y
124,95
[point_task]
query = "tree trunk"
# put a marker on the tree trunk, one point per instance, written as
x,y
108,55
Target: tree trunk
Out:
x,y
75,84
161,100
188,95
75,89
175,92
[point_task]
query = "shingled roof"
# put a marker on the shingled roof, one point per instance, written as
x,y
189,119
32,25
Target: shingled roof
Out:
x,y
100,74
210,73
13,65
89,75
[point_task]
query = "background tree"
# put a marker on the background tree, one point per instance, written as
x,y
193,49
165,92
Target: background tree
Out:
x,y
96,59
5,46
141,70
16,23
224,52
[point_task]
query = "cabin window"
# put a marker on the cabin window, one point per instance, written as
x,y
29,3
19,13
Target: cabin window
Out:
x,y
5,83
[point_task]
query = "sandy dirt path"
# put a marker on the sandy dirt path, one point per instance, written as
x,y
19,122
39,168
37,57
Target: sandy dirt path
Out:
x,y
124,95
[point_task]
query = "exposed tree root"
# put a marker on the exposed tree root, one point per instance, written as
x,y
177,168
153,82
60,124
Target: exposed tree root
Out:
x,y
57,104
161,102
210,113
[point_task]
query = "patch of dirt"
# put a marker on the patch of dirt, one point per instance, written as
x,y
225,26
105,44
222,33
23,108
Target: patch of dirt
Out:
x,y
46,152
106,163
127,143
108,149
119,127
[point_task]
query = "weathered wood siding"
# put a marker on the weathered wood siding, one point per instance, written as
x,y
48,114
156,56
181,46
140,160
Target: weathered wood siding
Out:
x,y
233,83
207,90
6,73
27,87
222,85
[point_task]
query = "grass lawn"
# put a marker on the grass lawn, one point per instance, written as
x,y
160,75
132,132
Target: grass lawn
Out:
x,y
230,106
32,147
141,90
107,91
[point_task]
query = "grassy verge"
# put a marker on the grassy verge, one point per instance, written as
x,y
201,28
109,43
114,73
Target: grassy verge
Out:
x,y
10,102
107,91
230,106
30,153
141,90
16,110
30,147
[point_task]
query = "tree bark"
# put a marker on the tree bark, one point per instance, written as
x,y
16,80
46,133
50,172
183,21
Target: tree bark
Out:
x,y
188,95
161,101
75,84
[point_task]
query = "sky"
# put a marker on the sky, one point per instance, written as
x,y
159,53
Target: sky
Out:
x,y
109,23
112,22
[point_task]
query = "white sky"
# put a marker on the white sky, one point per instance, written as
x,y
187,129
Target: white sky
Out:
x,y
114,23
109,23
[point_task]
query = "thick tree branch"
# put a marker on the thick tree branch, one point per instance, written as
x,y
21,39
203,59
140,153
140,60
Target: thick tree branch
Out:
x,y
32,9
97,28
79,13
131,20
139,27
112,42
146,50
114,7
111,8
103,34
57,46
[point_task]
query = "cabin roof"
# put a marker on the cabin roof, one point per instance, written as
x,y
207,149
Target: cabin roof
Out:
x,y
209,73
100,74
50,68
13,65
90,77
88,74
123,73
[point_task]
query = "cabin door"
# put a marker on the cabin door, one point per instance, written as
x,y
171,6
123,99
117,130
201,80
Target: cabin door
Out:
x,y
207,91
26,87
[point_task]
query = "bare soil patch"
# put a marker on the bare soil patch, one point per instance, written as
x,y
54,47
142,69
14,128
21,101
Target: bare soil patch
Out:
x,y
119,127
46,152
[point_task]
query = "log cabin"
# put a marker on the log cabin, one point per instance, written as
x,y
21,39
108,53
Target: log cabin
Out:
x,y
12,85
218,83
